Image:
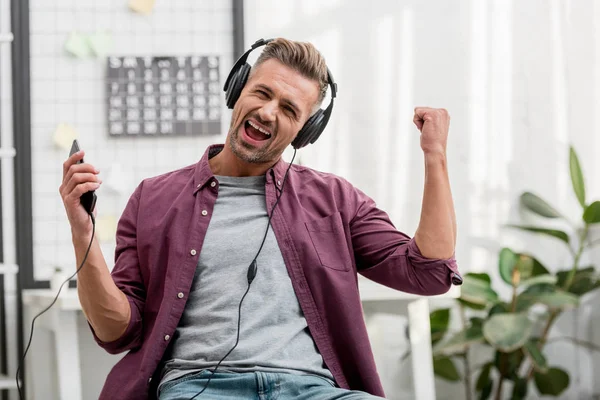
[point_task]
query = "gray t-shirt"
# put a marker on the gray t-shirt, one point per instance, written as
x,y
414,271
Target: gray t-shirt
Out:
x,y
274,335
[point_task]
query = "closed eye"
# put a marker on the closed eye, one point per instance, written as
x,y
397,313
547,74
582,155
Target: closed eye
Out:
x,y
291,111
262,93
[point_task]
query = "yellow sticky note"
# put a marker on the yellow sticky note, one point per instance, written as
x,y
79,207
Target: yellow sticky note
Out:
x,y
77,45
106,228
64,136
142,6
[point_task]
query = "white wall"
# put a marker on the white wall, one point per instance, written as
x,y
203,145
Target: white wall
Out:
x,y
66,89
521,80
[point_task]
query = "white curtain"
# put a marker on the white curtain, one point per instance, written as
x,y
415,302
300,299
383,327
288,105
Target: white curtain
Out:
x,y
521,80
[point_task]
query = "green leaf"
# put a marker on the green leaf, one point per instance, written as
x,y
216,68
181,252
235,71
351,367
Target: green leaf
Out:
x,y
536,356
439,320
511,364
550,232
445,368
591,215
541,288
477,290
577,177
530,295
487,390
472,305
553,382
458,342
506,263
529,266
519,389
482,276
484,376
524,303
534,203
507,332
556,300
538,280
477,322
498,308
585,280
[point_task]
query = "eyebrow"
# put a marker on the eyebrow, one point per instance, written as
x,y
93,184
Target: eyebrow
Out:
x,y
286,101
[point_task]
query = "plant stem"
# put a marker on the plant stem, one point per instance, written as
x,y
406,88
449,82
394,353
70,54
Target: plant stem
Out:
x,y
501,381
543,339
582,239
513,307
465,357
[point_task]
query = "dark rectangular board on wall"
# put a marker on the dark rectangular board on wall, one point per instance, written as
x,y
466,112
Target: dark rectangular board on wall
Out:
x,y
163,96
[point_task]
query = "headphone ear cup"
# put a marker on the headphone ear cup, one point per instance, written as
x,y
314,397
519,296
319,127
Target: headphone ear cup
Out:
x,y
236,85
311,130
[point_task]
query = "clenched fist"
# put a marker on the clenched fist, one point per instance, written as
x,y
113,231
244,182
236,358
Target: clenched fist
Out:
x,y
434,124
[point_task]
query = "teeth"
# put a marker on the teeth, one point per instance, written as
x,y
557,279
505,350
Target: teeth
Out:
x,y
259,128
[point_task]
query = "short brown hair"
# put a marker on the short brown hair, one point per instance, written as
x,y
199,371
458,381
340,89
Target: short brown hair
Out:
x,y
300,56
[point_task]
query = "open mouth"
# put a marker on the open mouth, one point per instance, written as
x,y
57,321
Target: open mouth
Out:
x,y
256,131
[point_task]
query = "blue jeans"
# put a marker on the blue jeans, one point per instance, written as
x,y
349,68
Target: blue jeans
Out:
x,y
257,386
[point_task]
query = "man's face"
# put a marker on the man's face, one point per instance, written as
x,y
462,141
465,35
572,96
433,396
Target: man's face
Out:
x,y
273,106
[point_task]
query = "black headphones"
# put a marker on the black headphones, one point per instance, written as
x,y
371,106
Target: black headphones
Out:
x,y
315,125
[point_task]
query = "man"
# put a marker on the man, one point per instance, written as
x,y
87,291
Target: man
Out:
x,y
193,243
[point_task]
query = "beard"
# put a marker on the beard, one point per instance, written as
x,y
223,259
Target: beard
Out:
x,y
247,152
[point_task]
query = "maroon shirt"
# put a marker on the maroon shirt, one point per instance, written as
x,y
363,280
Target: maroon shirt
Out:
x,y
327,230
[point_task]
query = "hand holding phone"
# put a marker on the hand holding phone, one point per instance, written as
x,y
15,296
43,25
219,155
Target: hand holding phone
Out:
x,y
88,199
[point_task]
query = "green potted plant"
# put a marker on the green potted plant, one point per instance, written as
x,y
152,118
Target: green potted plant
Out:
x,y
516,329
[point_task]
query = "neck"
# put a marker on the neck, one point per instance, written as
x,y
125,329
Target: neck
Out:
x,y
228,164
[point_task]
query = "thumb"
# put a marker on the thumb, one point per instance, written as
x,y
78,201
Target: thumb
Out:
x,y
418,122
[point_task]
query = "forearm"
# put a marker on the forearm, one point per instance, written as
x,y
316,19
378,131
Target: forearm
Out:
x,y
436,234
105,306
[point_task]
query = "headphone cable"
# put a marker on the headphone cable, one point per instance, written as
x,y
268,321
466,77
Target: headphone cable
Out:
x,y
252,269
21,364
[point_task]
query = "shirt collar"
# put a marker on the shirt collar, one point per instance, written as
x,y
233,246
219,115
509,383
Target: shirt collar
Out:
x,y
204,174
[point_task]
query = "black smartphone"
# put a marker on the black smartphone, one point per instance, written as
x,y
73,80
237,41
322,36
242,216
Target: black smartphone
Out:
x,y
88,200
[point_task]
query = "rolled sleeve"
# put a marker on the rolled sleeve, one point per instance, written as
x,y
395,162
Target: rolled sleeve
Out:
x,y
417,259
390,257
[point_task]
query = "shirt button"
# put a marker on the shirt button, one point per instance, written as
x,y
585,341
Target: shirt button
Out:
x,y
278,183
180,295
204,212
213,184
193,252
167,337
149,379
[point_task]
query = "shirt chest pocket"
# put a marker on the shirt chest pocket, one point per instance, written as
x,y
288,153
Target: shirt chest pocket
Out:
x,y
329,241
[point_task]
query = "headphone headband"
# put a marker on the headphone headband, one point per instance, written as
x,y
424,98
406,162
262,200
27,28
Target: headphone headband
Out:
x,y
238,76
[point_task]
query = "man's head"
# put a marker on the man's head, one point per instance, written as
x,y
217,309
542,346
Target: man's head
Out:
x,y
286,86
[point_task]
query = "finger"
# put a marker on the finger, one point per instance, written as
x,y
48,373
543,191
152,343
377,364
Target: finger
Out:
x,y
73,159
422,111
79,178
79,168
418,121
80,190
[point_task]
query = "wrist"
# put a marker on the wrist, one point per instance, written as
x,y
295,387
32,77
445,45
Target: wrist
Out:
x,y
435,157
81,238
